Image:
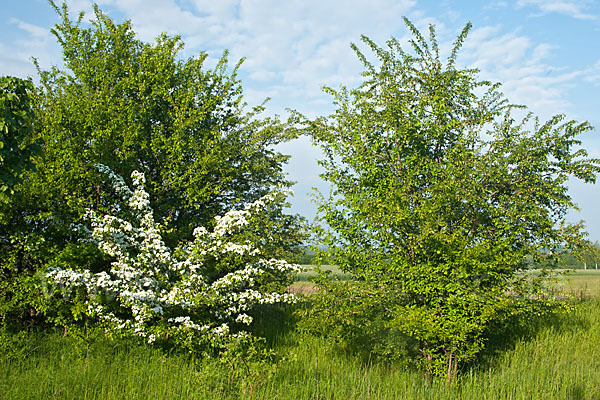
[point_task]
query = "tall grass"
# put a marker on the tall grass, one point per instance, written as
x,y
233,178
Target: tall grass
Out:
x,y
562,361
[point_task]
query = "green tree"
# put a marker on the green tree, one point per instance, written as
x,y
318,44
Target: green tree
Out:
x,y
16,121
439,195
132,105
18,148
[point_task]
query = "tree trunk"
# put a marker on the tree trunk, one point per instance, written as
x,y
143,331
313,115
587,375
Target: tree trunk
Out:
x,y
452,367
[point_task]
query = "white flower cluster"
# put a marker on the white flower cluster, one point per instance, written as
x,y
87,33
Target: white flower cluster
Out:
x,y
153,291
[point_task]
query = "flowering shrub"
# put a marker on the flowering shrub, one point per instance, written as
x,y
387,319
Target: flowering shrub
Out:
x,y
197,296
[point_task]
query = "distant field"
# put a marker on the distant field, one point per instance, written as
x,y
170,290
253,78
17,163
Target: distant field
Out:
x,y
302,281
309,272
579,282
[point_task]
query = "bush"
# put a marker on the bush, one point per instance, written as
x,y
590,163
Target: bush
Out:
x,y
196,296
440,197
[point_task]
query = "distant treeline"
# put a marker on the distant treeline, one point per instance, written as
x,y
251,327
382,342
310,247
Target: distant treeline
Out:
x,y
589,259
570,260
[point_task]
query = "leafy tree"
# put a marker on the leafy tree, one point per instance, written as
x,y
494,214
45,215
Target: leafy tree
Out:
x,y
441,195
132,105
17,150
585,256
16,117
129,104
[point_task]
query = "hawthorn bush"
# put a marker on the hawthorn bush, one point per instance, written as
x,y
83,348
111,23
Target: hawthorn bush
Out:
x,y
132,106
196,296
440,197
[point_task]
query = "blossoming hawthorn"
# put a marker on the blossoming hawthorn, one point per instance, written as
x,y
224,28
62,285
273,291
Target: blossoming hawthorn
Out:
x,y
191,294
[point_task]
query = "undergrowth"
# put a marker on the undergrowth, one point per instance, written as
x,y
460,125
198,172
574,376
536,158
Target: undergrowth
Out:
x,y
559,360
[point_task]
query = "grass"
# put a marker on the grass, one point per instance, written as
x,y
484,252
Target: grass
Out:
x,y
581,282
302,281
310,272
561,362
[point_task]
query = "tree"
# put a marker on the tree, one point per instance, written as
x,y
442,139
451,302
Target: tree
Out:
x,y
439,195
132,105
586,255
16,118
129,105
17,151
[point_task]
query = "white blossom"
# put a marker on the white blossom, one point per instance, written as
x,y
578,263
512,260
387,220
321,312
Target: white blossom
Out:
x,y
153,282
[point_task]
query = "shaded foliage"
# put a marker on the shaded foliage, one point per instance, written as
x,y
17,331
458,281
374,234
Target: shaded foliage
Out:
x,y
16,121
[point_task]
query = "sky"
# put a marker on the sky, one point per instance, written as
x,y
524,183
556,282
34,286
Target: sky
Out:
x,y
546,54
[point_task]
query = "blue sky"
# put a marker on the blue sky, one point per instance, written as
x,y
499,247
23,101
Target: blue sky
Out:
x,y
546,53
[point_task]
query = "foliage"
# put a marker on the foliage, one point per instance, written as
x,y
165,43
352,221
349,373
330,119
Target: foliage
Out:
x,y
586,255
441,195
19,292
132,105
16,118
356,315
196,296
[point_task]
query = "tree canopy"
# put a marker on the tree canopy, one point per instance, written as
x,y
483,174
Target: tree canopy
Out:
x,y
132,105
16,120
439,192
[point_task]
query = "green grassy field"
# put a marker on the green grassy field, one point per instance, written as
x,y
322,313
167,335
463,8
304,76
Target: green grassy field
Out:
x,y
581,282
576,282
309,272
302,281
561,362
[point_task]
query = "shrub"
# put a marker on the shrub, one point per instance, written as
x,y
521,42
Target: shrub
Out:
x,y
442,197
196,296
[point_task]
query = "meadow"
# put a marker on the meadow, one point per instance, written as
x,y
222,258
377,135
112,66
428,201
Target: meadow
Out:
x,y
581,282
560,361
404,159
578,282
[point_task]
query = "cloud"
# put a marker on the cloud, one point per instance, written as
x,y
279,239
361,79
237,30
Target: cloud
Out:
x,y
572,8
36,32
592,74
16,59
77,6
296,43
150,18
495,5
521,65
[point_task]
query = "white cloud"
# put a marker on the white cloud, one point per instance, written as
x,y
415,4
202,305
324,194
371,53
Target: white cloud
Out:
x,y
150,18
298,44
495,5
572,8
36,41
220,8
521,66
77,6
36,32
592,74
